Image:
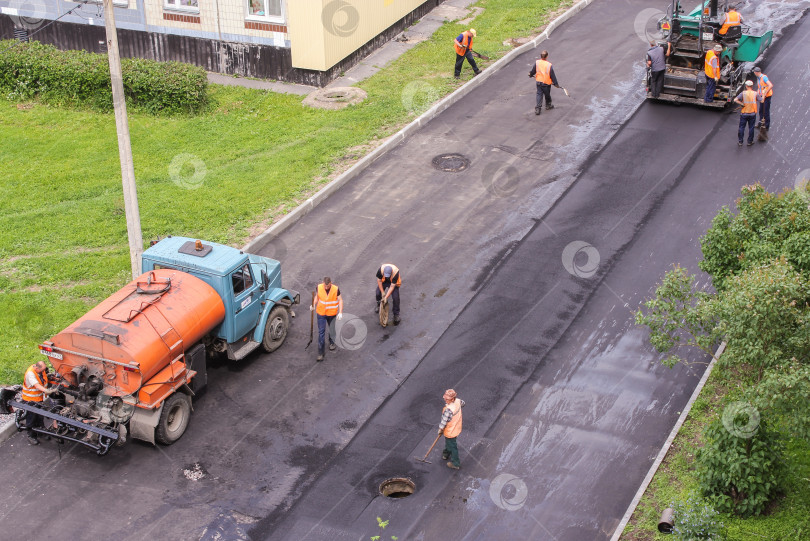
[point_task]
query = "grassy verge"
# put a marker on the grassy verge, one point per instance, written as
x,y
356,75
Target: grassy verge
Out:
x,y
223,175
787,518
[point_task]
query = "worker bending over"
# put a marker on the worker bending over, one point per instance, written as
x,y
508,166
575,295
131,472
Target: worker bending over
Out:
x,y
388,282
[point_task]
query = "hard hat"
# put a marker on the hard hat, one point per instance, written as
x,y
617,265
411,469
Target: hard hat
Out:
x,y
757,70
718,48
749,83
450,394
473,32
387,271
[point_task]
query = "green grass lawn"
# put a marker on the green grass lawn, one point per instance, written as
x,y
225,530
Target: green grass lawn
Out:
x,y
252,156
787,518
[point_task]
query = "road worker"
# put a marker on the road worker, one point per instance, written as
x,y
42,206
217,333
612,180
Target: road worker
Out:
x,y
35,387
451,427
748,98
463,45
388,282
765,91
732,19
656,63
328,304
711,67
543,73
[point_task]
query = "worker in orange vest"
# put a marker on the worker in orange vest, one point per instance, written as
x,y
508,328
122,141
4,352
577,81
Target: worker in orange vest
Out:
x,y
328,304
451,427
748,98
388,282
711,67
731,19
463,46
35,387
765,91
543,73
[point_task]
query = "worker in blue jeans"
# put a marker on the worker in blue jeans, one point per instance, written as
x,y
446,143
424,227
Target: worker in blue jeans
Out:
x,y
328,304
749,100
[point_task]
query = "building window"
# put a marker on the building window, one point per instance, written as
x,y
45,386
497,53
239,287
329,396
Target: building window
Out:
x,y
183,5
264,9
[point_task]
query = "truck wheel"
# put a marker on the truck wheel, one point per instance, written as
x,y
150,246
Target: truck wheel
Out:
x,y
173,419
275,331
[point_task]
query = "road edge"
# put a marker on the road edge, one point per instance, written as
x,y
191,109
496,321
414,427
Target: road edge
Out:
x,y
7,430
665,448
307,206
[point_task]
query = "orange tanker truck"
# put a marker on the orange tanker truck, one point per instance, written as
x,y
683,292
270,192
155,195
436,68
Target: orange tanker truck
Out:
x,y
130,366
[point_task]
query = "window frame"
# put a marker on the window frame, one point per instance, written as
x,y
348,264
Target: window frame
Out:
x,y
168,6
266,18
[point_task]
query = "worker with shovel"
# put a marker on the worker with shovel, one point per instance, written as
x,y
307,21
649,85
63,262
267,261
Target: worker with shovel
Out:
x,y
463,46
388,283
451,427
543,73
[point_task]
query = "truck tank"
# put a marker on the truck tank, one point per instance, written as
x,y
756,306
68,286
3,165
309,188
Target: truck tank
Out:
x,y
139,332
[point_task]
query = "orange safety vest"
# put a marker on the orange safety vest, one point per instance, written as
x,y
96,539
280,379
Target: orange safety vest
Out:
x,y
732,19
32,394
394,272
465,45
543,72
712,65
453,427
761,86
749,102
327,302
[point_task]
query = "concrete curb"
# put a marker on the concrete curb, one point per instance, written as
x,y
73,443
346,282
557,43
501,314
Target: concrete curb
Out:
x,y
307,206
665,448
7,430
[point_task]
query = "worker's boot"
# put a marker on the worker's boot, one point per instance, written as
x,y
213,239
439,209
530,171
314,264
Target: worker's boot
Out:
x,y
332,346
549,106
320,355
396,319
538,110
33,440
377,308
452,466
445,455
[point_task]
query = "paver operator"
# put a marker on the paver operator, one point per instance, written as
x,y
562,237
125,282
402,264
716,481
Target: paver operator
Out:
x,y
543,73
730,20
765,91
328,304
657,63
388,282
748,98
711,67
35,387
463,45
451,427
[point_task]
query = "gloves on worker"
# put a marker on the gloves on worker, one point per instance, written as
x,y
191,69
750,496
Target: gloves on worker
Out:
x,y
441,430
311,308
340,316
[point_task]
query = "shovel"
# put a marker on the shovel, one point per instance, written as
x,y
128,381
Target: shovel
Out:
x,y
311,321
425,460
564,90
479,55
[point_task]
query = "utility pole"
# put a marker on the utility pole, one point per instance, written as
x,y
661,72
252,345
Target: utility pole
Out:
x,y
133,215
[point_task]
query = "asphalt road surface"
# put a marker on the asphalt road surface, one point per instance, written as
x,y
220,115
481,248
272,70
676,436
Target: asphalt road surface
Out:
x,y
566,404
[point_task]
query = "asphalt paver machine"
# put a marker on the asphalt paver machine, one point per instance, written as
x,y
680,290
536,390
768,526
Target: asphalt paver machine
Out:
x,y
689,36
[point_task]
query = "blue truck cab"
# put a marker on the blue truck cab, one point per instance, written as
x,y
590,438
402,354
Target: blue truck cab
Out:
x,y
257,307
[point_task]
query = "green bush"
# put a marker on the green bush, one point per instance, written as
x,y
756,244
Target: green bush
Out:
x,y
37,71
766,227
695,519
739,467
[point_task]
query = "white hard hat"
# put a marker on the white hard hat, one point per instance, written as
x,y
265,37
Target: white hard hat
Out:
x,y
749,83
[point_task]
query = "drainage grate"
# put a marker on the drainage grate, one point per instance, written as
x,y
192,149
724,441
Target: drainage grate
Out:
x,y
452,163
397,487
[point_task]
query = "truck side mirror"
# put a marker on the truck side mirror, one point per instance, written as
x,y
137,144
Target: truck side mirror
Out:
x,y
265,281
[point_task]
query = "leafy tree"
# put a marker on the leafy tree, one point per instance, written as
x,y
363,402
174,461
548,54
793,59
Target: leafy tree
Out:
x,y
739,471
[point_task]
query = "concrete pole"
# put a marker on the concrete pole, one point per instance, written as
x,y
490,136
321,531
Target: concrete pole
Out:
x,y
124,147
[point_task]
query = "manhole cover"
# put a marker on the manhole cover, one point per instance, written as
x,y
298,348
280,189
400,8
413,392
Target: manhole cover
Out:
x,y
452,163
397,487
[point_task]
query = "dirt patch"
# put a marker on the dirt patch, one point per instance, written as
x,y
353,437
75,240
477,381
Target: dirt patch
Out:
x,y
335,98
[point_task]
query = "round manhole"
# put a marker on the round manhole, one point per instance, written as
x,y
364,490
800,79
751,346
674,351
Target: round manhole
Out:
x,y
397,487
452,163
